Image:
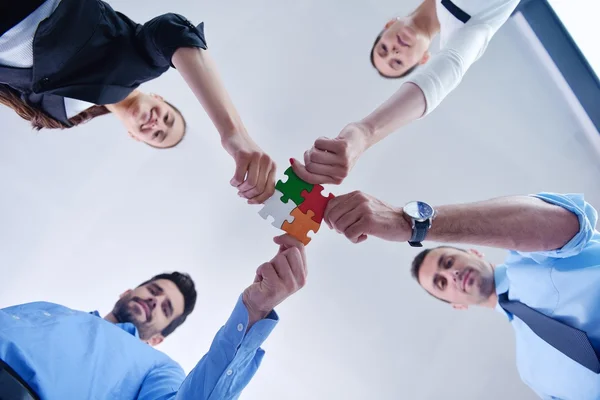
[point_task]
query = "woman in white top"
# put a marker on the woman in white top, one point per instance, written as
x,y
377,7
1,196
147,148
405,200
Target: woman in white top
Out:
x,y
402,50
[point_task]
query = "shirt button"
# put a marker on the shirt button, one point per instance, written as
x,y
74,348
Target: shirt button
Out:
x,y
240,327
15,317
47,314
229,372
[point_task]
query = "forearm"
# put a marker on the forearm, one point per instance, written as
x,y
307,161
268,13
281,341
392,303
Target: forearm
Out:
x,y
521,223
406,105
200,73
233,359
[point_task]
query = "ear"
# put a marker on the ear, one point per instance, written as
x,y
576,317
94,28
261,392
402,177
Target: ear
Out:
x,y
125,293
390,23
476,252
156,96
155,340
460,306
425,57
133,137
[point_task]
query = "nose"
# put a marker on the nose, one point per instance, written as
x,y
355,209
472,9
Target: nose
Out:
x,y
455,274
152,303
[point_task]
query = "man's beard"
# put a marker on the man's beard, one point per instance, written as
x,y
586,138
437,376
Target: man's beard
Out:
x,y
123,312
487,284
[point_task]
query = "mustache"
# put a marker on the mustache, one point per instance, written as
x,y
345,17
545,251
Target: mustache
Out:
x,y
147,304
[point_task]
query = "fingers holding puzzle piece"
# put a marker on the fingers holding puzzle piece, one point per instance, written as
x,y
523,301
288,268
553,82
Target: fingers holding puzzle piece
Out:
x,y
297,207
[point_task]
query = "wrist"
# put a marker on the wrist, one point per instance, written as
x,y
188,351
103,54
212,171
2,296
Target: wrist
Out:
x,y
403,225
255,314
369,131
361,136
232,140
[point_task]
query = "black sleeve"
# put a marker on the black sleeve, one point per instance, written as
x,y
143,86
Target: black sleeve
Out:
x,y
163,35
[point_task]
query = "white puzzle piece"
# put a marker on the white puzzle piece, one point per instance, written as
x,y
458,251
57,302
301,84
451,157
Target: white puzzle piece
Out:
x,y
277,209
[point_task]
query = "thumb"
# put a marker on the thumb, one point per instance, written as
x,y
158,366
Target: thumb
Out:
x,y
361,238
300,170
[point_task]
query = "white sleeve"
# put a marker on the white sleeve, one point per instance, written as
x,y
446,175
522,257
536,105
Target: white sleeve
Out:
x,y
442,74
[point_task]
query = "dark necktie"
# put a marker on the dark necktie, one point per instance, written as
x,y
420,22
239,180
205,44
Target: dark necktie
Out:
x,y
570,341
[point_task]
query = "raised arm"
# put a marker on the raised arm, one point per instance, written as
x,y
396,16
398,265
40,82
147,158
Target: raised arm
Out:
x,y
542,223
255,170
330,160
171,40
235,354
522,223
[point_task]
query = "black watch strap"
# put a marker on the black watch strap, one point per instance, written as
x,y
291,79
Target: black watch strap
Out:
x,y
419,232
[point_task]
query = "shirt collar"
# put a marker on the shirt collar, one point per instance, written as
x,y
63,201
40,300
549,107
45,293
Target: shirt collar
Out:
x,y
502,285
127,326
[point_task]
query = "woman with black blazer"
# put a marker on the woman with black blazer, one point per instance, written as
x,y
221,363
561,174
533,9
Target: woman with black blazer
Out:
x,y
65,62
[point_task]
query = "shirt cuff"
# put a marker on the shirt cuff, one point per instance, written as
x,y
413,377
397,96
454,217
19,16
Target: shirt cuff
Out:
x,y
586,215
236,328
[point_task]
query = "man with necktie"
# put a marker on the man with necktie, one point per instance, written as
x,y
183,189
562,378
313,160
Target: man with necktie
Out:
x,y
548,287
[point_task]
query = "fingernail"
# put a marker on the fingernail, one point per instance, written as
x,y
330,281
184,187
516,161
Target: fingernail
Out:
x,y
292,161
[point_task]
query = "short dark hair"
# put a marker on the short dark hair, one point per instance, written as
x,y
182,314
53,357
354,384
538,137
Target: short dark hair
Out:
x,y
418,262
406,73
186,286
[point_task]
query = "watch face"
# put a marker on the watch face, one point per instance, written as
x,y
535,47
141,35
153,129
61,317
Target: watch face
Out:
x,y
418,210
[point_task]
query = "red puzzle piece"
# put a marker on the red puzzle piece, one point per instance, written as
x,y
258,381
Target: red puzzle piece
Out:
x,y
316,202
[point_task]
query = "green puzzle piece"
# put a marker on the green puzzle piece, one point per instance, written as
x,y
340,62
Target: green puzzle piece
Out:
x,y
293,187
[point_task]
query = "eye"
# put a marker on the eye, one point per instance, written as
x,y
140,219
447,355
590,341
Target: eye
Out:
x,y
166,117
449,263
441,283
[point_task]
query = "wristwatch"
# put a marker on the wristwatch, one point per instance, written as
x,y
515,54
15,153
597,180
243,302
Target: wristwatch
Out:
x,y
420,215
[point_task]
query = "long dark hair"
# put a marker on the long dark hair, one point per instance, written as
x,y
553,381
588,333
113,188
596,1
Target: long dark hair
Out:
x,y
39,119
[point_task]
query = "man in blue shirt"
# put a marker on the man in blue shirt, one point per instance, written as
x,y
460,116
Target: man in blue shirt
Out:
x,y
548,287
59,353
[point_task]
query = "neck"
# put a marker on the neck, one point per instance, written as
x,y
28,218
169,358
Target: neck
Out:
x,y
425,19
110,317
492,301
123,104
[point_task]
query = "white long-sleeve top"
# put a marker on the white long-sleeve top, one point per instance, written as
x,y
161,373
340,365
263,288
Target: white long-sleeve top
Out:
x,y
461,44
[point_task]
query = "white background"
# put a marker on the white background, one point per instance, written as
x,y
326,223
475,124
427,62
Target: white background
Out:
x,y
578,17
88,213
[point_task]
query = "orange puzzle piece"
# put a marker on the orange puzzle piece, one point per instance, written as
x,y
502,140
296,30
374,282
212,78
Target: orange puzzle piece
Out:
x,y
301,225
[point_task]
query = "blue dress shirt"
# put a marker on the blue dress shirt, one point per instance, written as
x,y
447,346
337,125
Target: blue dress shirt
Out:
x,y
565,285
67,354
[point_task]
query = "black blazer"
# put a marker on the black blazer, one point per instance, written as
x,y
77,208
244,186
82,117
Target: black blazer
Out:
x,y
86,50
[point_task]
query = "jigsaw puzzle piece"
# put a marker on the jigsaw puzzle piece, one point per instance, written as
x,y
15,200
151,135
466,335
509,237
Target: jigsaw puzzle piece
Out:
x,y
316,202
293,187
277,209
303,223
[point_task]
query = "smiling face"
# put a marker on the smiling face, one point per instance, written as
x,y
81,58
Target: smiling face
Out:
x,y
151,308
150,119
458,277
400,48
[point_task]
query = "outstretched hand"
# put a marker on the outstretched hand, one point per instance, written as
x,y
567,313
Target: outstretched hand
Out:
x,y
254,175
331,160
277,279
357,215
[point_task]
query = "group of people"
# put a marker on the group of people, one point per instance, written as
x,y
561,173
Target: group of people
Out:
x,y
65,62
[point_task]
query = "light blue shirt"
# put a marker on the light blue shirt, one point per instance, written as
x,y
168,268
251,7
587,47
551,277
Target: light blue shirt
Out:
x,y
67,354
563,284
